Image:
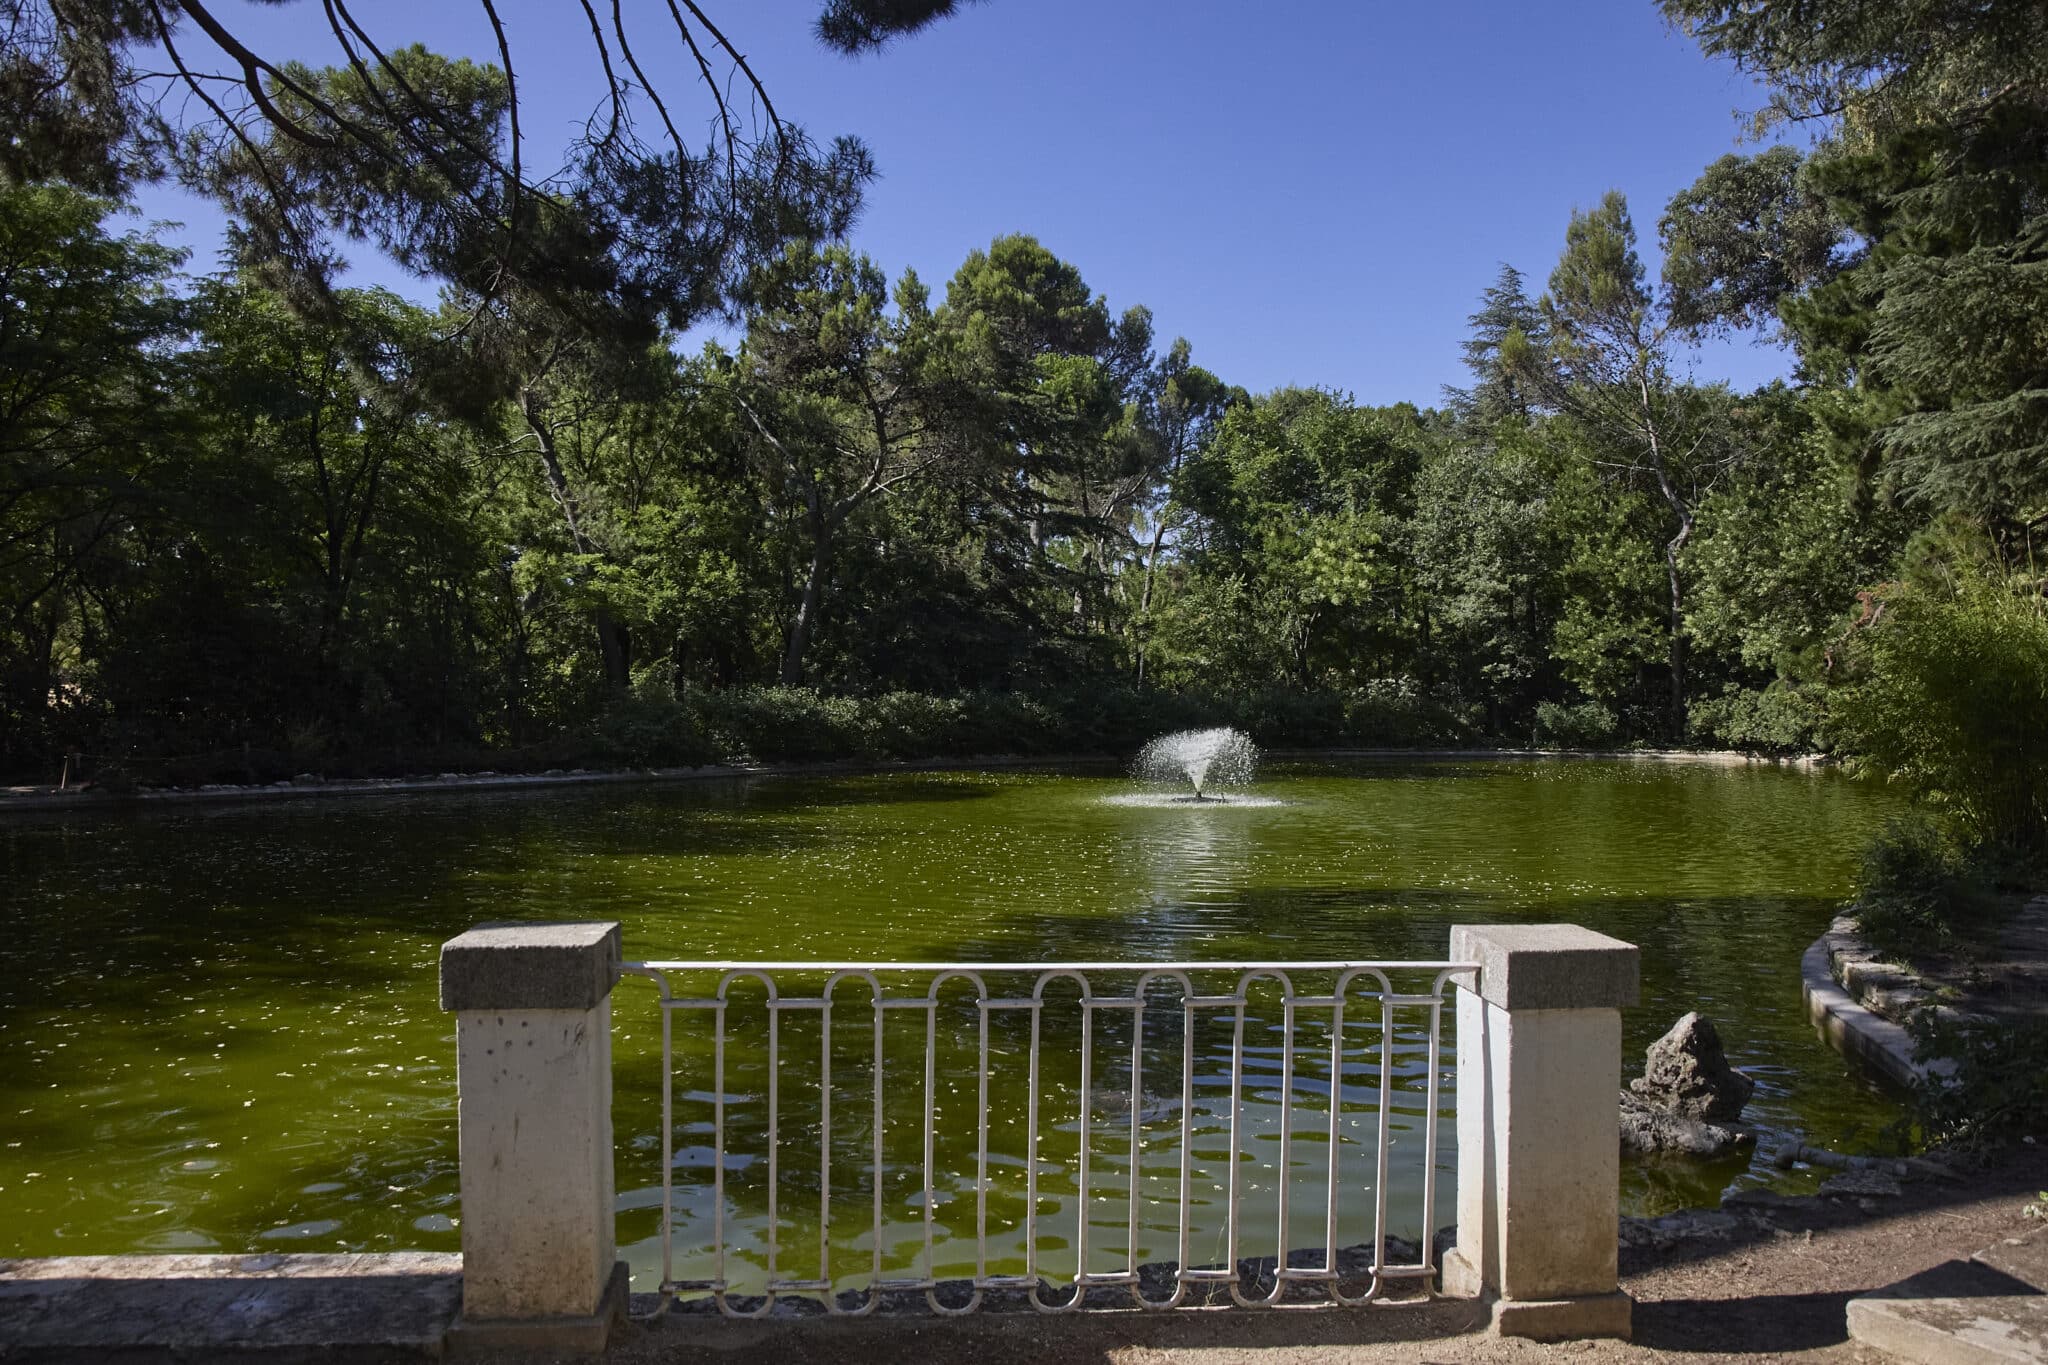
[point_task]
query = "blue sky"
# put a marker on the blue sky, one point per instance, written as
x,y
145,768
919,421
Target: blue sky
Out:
x,y
1310,193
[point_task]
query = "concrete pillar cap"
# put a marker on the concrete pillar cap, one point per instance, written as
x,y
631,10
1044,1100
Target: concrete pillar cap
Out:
x,y
1548,966
531,966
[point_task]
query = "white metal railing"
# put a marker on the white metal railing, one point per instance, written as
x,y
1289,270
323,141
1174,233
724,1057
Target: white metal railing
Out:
x,y
745,1063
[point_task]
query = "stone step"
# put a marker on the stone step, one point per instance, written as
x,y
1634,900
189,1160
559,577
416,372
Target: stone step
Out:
x,y
1988,1310
1864,977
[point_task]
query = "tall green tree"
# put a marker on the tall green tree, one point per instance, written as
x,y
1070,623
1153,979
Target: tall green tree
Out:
x,y
1487,554
844,402
1612,344
1926,342
1504,353
325,448
1062,459
89,329
1187,404
1749,232
1304,498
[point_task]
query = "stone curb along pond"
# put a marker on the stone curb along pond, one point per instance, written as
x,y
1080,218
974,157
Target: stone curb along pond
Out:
x,y
1831,985
222,1034
39,798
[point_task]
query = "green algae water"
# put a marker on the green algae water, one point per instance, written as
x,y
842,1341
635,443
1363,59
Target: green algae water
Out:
x,y
218,1024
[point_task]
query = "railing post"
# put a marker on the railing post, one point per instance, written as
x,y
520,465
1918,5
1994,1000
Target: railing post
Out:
x,y
1539,1143
532,1005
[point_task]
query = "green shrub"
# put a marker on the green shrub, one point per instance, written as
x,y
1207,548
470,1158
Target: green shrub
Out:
x,y
654,723
1396,713
1779,719
1999,1089
1102,718
1949,695
1007,723
1915,888
649,731
913,725
1589,725
1297,720
779,724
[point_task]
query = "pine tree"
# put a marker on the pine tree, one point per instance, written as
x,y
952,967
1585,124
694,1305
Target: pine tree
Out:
x,y
1507,335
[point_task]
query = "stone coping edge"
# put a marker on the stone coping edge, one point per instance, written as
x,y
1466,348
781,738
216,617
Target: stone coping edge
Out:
x,y
1877,1044
569,965
1548,966
279,1307
35,800
272,1307
146,1265
1719,758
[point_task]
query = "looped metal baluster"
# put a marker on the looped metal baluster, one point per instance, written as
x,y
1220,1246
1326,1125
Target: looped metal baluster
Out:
x,y
1100,986
981,1145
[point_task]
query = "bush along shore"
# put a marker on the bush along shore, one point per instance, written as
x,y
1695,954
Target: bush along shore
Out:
x,y
658,727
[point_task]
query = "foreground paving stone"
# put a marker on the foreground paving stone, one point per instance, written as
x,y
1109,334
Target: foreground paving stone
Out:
x,y
1989,1310
281,1308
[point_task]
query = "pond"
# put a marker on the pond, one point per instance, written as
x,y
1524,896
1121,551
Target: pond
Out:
x,y
220,1025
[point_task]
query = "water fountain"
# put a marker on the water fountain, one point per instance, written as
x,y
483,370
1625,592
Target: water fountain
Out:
x,y
1205,759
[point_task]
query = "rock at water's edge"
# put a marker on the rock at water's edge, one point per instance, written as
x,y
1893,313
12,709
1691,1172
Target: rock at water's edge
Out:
x,y
1863,1184
1647,1128
1687,1073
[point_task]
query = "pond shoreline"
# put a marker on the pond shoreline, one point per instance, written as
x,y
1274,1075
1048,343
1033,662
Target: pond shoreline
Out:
x,y
46,798
1865,1002
1881,1047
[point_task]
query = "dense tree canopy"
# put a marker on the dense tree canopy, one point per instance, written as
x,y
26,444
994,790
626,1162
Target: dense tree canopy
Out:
x,y
1920,331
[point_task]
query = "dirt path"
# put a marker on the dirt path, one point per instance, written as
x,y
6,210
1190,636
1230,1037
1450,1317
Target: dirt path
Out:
x,y
2003,972
1780,1291
1770,1284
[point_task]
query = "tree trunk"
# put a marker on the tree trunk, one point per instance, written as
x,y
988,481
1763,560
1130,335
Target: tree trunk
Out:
x,y
807,611
1671,550
615,644
43,677
1145,595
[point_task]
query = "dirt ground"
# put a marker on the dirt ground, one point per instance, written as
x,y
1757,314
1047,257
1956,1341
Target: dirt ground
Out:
x,y
1772,1285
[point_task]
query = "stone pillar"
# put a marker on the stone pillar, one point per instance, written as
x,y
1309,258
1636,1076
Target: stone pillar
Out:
x,y
1539,1140
532,1005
